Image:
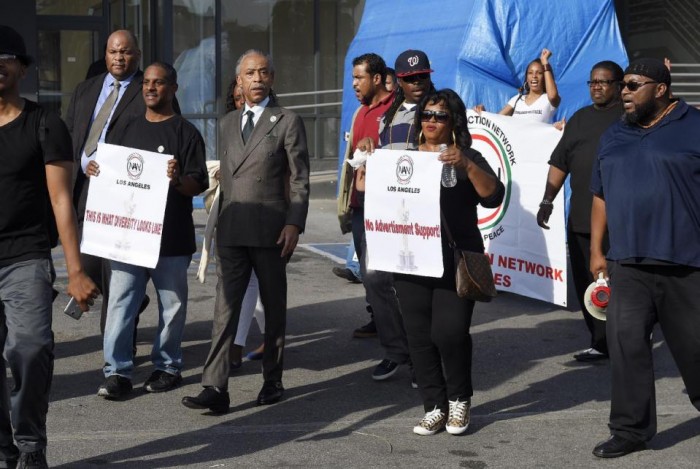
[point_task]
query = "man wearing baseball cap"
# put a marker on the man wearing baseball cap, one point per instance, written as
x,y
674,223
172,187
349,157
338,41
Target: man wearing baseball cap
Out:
x,y
413,73
395,132
37,165
646,188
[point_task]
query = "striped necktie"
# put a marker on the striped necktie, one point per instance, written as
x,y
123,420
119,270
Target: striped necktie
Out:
x,y
249,125
101,120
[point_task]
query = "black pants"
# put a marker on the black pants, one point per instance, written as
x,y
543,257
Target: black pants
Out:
x,y
640,297
437,323
580,255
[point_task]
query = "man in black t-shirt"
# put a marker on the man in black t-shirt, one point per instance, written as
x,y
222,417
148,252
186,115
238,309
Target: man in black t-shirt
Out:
x,y
159,130
574,155
35,166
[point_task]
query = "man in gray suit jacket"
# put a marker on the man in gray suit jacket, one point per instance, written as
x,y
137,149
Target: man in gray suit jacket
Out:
x,y
264,202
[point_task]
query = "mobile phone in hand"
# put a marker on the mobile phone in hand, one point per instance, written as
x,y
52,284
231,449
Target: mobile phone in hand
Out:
x,y
73,309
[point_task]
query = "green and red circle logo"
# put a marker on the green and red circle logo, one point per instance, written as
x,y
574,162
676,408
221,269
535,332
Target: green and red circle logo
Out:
x,y
496,154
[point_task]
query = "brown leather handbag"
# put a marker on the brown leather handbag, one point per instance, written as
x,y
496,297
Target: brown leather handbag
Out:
x,y
473,275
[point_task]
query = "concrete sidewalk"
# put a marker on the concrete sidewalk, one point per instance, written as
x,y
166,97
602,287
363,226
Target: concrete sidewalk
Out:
x,y
533,405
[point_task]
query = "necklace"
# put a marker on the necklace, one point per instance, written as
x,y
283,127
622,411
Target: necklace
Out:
x,y
661,115
391,127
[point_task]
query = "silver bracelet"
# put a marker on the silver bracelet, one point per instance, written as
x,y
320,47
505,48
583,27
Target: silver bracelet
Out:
x,y
546,202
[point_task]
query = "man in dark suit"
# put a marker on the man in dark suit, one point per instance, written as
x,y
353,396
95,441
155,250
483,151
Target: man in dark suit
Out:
x,y
122,56
264,202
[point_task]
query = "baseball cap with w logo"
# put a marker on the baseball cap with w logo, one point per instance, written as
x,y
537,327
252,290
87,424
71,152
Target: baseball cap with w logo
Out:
x,y
412,62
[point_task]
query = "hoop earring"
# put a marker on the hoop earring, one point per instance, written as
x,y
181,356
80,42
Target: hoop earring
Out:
x,y
454,139
420,137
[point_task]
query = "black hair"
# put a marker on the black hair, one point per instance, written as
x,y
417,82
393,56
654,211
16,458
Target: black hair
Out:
x,y
374,64
398,101
618,73
170,72
230,103
525,89
458,115
392,72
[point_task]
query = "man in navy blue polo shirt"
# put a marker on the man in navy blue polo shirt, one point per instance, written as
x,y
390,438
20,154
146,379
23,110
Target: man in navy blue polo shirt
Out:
x,y
646,187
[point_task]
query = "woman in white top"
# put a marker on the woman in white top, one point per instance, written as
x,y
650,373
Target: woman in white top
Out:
x,y
538,98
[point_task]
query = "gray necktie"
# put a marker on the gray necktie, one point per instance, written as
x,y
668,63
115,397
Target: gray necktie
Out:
x,y
248,129
101,120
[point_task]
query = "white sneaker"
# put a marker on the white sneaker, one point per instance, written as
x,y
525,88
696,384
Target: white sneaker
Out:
x,y
458,419
432,423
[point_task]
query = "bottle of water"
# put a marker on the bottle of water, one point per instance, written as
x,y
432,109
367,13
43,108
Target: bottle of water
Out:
x,y
449,173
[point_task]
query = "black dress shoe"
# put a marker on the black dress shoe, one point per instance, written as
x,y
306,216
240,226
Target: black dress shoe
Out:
x,y
616,446
270,393
216,401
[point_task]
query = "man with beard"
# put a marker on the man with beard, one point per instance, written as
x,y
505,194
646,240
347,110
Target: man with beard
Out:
x,y
646,188
369,77
574,154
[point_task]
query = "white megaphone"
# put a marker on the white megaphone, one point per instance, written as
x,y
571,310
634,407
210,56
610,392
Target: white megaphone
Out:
x,y
596,298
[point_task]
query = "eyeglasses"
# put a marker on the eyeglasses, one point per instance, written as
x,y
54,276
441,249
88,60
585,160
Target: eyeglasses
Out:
x,y
416,78
7,57
635,85
603,83
440,116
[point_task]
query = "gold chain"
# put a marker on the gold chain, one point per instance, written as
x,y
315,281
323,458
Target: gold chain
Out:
x,y
663,114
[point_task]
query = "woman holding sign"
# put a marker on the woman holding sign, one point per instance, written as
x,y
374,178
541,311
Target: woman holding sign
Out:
x,y
436,319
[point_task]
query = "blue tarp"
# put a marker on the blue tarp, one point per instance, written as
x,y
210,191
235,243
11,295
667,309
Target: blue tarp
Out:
x,y
480,48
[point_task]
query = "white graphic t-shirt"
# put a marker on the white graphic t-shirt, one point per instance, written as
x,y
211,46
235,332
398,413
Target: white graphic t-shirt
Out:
x,y
541,110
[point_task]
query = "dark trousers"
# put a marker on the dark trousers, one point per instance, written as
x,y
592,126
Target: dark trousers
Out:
x,y
233,268
26,297
640,297
381,296
580,255
437,324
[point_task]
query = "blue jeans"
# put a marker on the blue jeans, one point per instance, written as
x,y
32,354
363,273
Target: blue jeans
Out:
x,y
127,289
27,342
352,262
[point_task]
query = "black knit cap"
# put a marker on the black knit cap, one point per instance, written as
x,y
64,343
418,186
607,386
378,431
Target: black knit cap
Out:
x,y
651,68
11,43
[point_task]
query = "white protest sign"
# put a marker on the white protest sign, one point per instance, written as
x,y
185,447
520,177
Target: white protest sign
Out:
x,y
402,212
525,258
126,205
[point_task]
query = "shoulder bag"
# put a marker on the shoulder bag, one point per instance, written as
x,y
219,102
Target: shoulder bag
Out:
x,y
473,276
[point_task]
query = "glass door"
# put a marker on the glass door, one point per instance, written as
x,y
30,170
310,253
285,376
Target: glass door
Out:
x,y
64,57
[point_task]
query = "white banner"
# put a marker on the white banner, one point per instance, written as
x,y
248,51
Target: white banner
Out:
x,y
525,258
402,212
126,205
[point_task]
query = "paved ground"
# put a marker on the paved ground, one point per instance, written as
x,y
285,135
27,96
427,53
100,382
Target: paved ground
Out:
x,y
533,405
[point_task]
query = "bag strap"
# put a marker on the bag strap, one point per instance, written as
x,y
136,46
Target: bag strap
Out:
x,y
450,239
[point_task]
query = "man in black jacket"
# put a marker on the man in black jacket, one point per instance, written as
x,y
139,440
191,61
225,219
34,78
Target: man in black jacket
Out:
x,y
99,108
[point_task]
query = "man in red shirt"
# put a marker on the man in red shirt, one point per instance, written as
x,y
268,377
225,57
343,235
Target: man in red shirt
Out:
x,y
369,77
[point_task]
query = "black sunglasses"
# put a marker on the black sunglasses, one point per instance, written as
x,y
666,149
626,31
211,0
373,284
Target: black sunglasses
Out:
x,y
440,116
593,83
634,85
416,78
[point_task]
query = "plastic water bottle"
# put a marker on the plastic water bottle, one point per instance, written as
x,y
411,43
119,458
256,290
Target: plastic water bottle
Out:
x,y
449,173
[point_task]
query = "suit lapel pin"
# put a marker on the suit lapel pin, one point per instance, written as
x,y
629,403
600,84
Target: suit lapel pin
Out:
x,y
273,118
161,148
